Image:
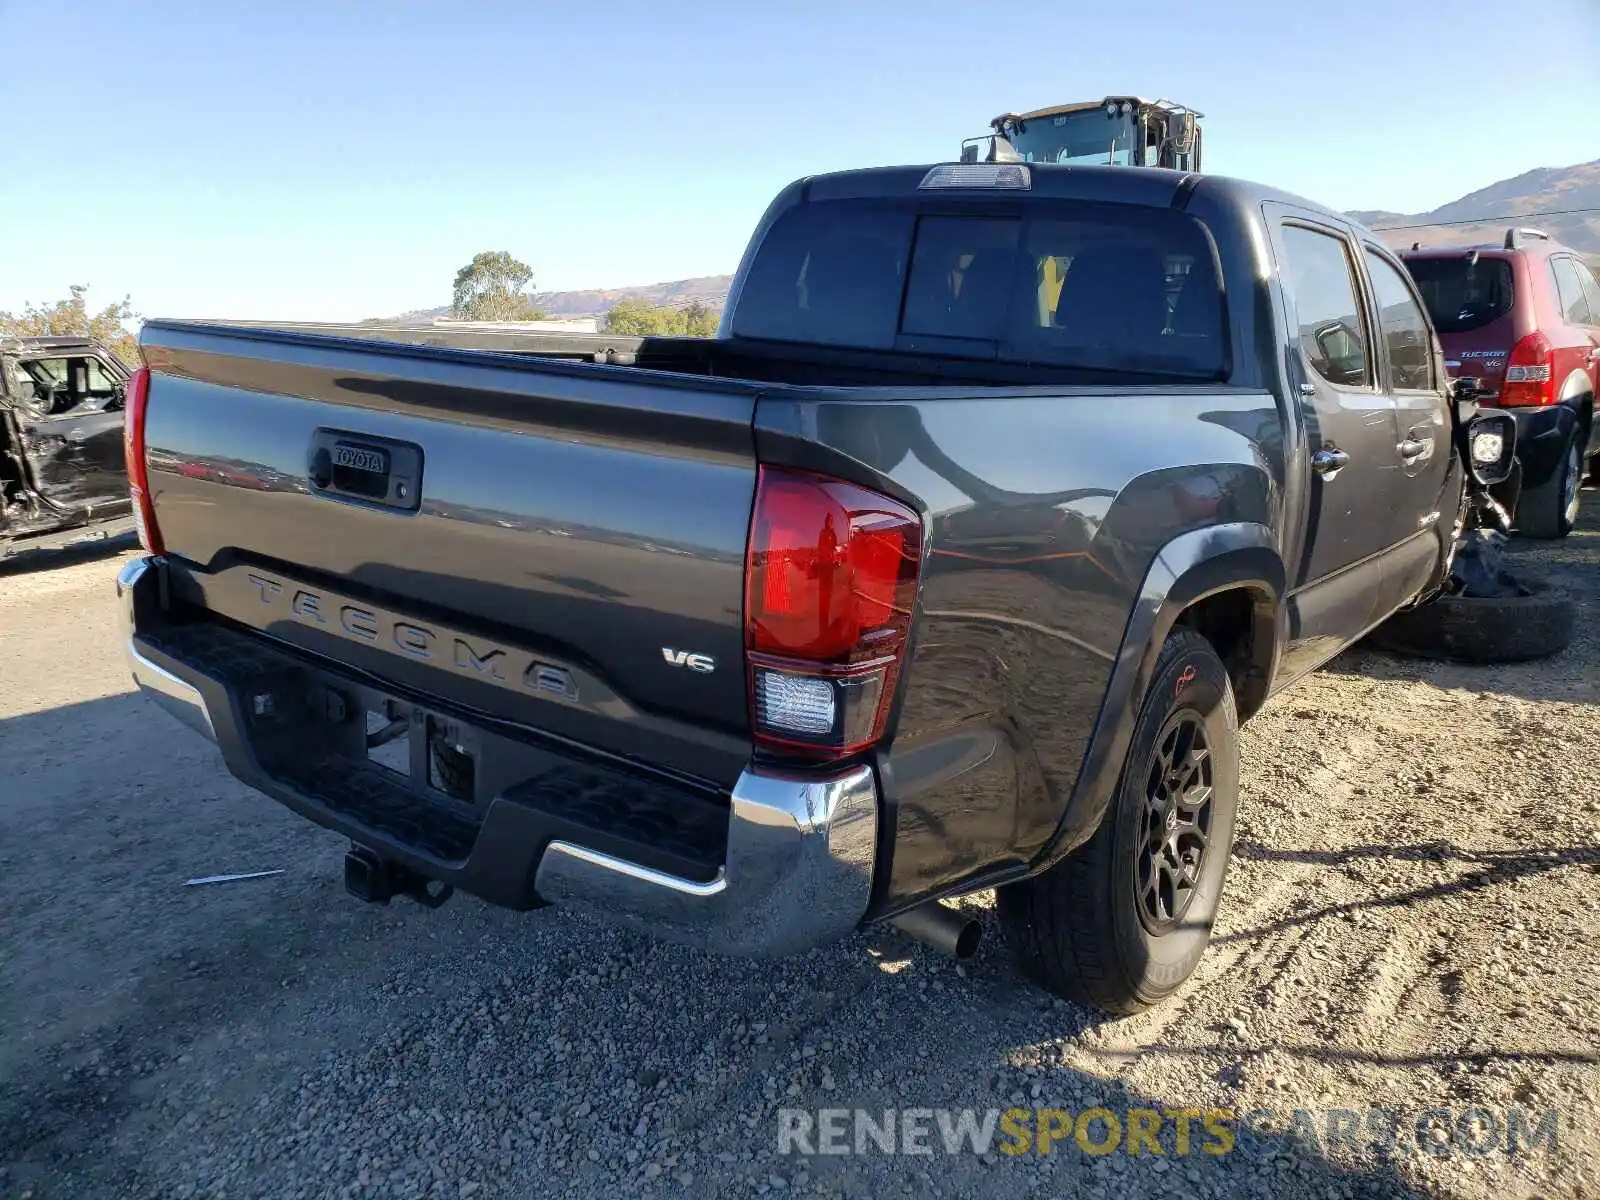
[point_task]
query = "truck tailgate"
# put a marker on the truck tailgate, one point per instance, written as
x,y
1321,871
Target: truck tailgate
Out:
x,y
559,545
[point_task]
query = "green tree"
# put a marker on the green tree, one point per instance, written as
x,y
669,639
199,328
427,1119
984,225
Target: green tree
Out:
x,y
638,319
635,318
493,287
700,321
72,316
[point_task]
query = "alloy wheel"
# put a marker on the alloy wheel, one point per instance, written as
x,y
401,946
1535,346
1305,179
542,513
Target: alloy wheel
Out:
x,y
1177,823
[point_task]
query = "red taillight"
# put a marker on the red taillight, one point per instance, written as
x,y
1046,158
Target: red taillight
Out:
x,y
1529,373
830,583
144,516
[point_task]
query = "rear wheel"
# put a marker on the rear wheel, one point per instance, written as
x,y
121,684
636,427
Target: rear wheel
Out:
x,y
1123,920
1551,509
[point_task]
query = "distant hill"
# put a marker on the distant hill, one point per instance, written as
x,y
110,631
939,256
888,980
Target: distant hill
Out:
x,y
710,290
1510,202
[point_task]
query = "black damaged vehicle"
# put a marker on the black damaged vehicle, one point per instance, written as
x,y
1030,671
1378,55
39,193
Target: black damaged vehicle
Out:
x,y
1005,495
63,476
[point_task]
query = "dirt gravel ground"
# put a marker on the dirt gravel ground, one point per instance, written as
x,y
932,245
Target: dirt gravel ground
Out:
x,y
1410,926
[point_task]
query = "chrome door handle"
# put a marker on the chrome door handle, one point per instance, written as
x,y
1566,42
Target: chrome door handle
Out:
x,y
1412,448
1329,463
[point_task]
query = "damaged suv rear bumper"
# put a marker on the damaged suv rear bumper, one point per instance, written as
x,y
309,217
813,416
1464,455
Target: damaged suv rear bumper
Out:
x,y
789,864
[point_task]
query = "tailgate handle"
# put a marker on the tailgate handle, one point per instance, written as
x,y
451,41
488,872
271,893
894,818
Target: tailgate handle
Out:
x,y
380,471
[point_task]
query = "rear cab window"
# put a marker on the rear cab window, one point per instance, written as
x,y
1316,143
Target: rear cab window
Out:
x,y
1466,293
1114,288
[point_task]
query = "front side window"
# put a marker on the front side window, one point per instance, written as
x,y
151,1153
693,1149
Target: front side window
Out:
x,y
1404,329
97,379
1323,286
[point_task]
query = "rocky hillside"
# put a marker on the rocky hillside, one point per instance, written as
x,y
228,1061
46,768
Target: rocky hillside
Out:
x,y
1550,189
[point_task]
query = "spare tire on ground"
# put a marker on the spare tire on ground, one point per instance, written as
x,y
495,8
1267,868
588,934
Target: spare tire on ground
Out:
x,y
1484,629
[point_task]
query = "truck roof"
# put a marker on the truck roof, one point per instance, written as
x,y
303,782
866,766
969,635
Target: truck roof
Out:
x,y
1153,186
1059,110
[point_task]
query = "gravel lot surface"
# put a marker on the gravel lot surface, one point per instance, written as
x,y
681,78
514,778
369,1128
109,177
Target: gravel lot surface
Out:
x,y
1410,924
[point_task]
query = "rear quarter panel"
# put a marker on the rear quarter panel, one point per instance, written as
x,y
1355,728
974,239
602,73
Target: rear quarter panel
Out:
x,y
1045,514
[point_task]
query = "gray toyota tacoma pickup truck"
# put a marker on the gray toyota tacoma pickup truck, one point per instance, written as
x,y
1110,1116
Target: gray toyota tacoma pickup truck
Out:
x,y
1004,495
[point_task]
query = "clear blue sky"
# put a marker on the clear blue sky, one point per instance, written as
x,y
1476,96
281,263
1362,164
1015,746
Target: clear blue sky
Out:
x,y
337,159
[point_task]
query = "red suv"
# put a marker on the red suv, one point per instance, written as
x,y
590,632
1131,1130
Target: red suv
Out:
x,y
1524,317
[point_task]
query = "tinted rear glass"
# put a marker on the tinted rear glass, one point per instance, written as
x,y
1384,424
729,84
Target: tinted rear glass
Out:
x,y
1460,295
1098,286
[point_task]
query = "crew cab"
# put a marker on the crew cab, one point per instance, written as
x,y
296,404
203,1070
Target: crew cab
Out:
x,y
62,475
1523,317
924,576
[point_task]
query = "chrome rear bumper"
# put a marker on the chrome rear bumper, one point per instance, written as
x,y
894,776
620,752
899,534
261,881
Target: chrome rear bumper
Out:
x,y
798,871
800,849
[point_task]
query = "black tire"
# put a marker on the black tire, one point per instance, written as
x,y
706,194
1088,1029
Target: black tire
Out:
x,y
1493,630
456,771
1551,509
1084,929
1594,471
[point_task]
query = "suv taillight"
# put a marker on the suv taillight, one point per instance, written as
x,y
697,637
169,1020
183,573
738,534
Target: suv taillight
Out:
x,y
830,584
1529,373
144,516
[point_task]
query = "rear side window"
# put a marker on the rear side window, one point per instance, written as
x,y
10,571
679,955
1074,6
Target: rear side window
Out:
x,y
1591,291
1463,294
1405,331
1569,286
1332,336
1102,287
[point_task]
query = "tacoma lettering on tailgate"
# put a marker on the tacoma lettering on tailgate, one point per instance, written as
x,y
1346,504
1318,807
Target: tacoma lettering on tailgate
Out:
x,y
471,656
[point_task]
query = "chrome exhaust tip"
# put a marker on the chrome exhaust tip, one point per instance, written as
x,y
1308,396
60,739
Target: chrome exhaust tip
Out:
x,y
946,930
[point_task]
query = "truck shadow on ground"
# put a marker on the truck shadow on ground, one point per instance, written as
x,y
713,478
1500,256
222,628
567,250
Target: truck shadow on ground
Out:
x,y
154,1035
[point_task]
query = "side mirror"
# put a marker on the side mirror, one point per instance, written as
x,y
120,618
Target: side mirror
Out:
x,y
1489,447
